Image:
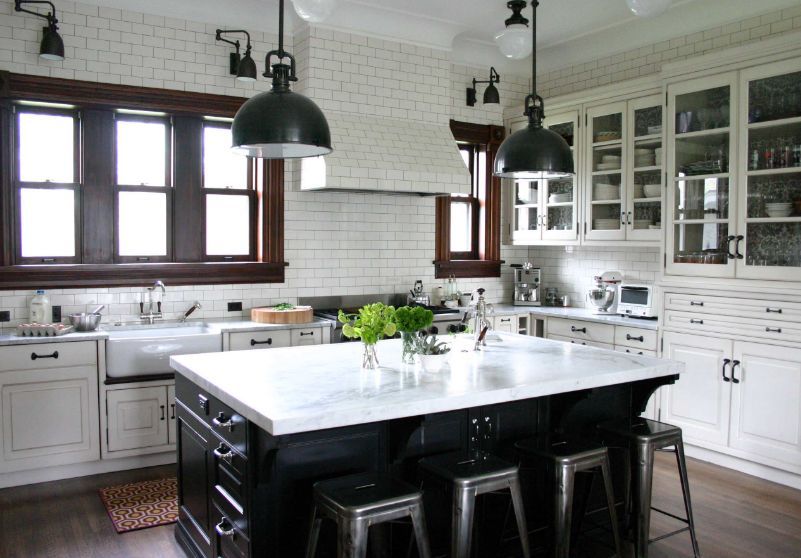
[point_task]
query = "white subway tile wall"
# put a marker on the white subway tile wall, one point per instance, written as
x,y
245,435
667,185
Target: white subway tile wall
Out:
x,y
336,243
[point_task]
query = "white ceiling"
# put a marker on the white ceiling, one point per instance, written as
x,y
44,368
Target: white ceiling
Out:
x,y
569,31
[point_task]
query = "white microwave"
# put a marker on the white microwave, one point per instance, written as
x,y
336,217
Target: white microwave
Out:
x,y
637,300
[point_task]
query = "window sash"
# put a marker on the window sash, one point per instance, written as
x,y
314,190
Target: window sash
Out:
x,y
253,215
144,258
169,155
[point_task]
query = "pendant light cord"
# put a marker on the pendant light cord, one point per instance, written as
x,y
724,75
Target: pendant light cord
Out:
x,y
534,4
281,52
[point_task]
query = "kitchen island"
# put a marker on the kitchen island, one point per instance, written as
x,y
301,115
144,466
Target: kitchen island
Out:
x,y
257,428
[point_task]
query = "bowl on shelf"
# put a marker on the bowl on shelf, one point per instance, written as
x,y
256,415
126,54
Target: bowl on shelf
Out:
x,y
611,159
607,166
642,223
560,198
784,212
654,130
603,192
652,190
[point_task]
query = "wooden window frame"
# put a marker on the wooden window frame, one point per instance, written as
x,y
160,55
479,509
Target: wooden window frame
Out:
x,y
484,260
19,185
96,103
249,191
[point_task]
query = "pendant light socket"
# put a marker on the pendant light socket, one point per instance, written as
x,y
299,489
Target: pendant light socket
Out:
x,y
52,45
491,95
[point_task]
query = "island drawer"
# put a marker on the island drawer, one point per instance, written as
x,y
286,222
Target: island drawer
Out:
x,y
246,340
735,307
577,329
229,541
581,342
742,327
638,352
229,471
306,336
38,356
228,425
636,338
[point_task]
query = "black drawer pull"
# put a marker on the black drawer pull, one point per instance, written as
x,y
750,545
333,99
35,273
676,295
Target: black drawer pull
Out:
x,y
34,356
304,333
225,453
575,329
694,321
641,338
163,416
726,362
224,528
268,342
506,320
694,303
734,365
773,310
172,411
773,329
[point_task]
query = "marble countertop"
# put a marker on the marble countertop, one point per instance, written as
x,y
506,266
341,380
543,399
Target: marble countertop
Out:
x,y
300,389
14,339
574,314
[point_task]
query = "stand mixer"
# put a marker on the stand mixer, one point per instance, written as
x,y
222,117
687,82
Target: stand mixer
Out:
x,y
603,297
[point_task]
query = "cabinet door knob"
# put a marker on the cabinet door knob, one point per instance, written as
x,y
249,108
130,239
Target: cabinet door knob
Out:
x,y
221,421
224,528
224,452
54,354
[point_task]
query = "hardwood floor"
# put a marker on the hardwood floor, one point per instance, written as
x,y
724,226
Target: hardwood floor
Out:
x,y
737,516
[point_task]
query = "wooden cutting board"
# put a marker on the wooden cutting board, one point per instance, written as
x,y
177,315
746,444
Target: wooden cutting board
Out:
x,y
269,315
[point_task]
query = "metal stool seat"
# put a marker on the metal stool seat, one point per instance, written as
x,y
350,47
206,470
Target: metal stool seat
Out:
x,y
471,475
643,437
569,457
356,502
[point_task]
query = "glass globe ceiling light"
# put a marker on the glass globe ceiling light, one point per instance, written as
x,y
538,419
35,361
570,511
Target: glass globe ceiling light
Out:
x,y
533,152
514,40
314,11
648,8
280,124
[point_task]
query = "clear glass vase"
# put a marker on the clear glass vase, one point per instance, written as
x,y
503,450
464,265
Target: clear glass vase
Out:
x,y
409,348
369,358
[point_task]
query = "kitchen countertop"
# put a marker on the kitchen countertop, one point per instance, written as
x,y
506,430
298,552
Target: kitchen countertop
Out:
x,y
223,326
266,388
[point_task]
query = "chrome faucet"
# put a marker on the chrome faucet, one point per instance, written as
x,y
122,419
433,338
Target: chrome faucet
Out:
x,y
150,316
480,321
195,306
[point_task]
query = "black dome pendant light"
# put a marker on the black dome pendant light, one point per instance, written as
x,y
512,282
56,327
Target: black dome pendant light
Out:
x,y
533,152
280,124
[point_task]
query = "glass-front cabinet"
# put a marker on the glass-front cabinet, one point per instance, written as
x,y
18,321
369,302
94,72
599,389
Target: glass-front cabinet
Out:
x,y
645,156
769,239
605,165
545,210
700,237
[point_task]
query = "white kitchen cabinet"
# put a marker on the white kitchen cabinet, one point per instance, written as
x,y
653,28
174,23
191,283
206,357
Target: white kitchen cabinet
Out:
x,y
266,339
137,418
505,324
546,211
48,405
306,336
699,402
766,390
644,169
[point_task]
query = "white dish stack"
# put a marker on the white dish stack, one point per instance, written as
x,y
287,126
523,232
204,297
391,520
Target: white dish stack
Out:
x,y
779,209
609,162
645,157
606,224
606,192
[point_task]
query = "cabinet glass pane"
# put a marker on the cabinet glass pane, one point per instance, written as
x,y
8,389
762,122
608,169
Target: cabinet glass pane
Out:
x,y
46,148
701,243
773,244
703,110
706,199
526,219
774,196
699,155
47,223
141,153
222,167
647,215
142,224
227,225
526,192
648,121
608,127
560,196
774,146
774,98
564,129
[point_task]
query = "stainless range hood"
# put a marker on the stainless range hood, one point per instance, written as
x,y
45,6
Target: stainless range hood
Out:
x,y
374,154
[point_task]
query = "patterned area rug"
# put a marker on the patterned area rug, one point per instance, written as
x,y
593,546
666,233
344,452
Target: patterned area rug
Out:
x,y
140,505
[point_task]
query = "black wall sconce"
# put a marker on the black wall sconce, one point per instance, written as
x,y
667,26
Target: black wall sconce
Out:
x,y
243,67
490,93
52,46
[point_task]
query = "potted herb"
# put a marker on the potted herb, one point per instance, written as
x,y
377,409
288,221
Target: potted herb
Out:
x,y
409,321
372,323
430,353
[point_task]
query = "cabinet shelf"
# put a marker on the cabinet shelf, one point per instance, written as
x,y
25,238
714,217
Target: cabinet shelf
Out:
x,y
607,172
772,123
606,145
701,176
700,221
559,204
647,200
651,168
650,139
525,205
769,172
791,219
605,202
703,133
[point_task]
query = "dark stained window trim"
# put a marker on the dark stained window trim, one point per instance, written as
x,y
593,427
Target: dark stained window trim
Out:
x,y
489,261
269,267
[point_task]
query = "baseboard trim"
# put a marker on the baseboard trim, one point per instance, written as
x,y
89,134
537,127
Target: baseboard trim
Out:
x,y
748,467
48,474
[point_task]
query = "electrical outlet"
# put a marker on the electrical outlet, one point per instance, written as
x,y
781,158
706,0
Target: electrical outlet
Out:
x,y
56,314
234,306
5,315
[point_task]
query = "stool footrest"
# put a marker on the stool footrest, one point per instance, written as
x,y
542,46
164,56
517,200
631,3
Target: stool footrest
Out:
x,y
676,517
666,535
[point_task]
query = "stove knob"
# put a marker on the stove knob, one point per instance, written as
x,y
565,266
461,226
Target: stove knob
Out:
x,y
433,331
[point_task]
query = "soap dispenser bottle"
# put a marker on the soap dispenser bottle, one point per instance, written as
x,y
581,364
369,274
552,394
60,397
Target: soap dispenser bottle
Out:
x,y
40,310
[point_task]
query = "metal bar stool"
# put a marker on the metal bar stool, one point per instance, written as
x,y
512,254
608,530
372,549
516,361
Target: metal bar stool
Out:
x,y
568,458
471,475
643,437
356,502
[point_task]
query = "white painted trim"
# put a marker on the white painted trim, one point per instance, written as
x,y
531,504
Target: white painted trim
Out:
x,y
743,466
84,469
